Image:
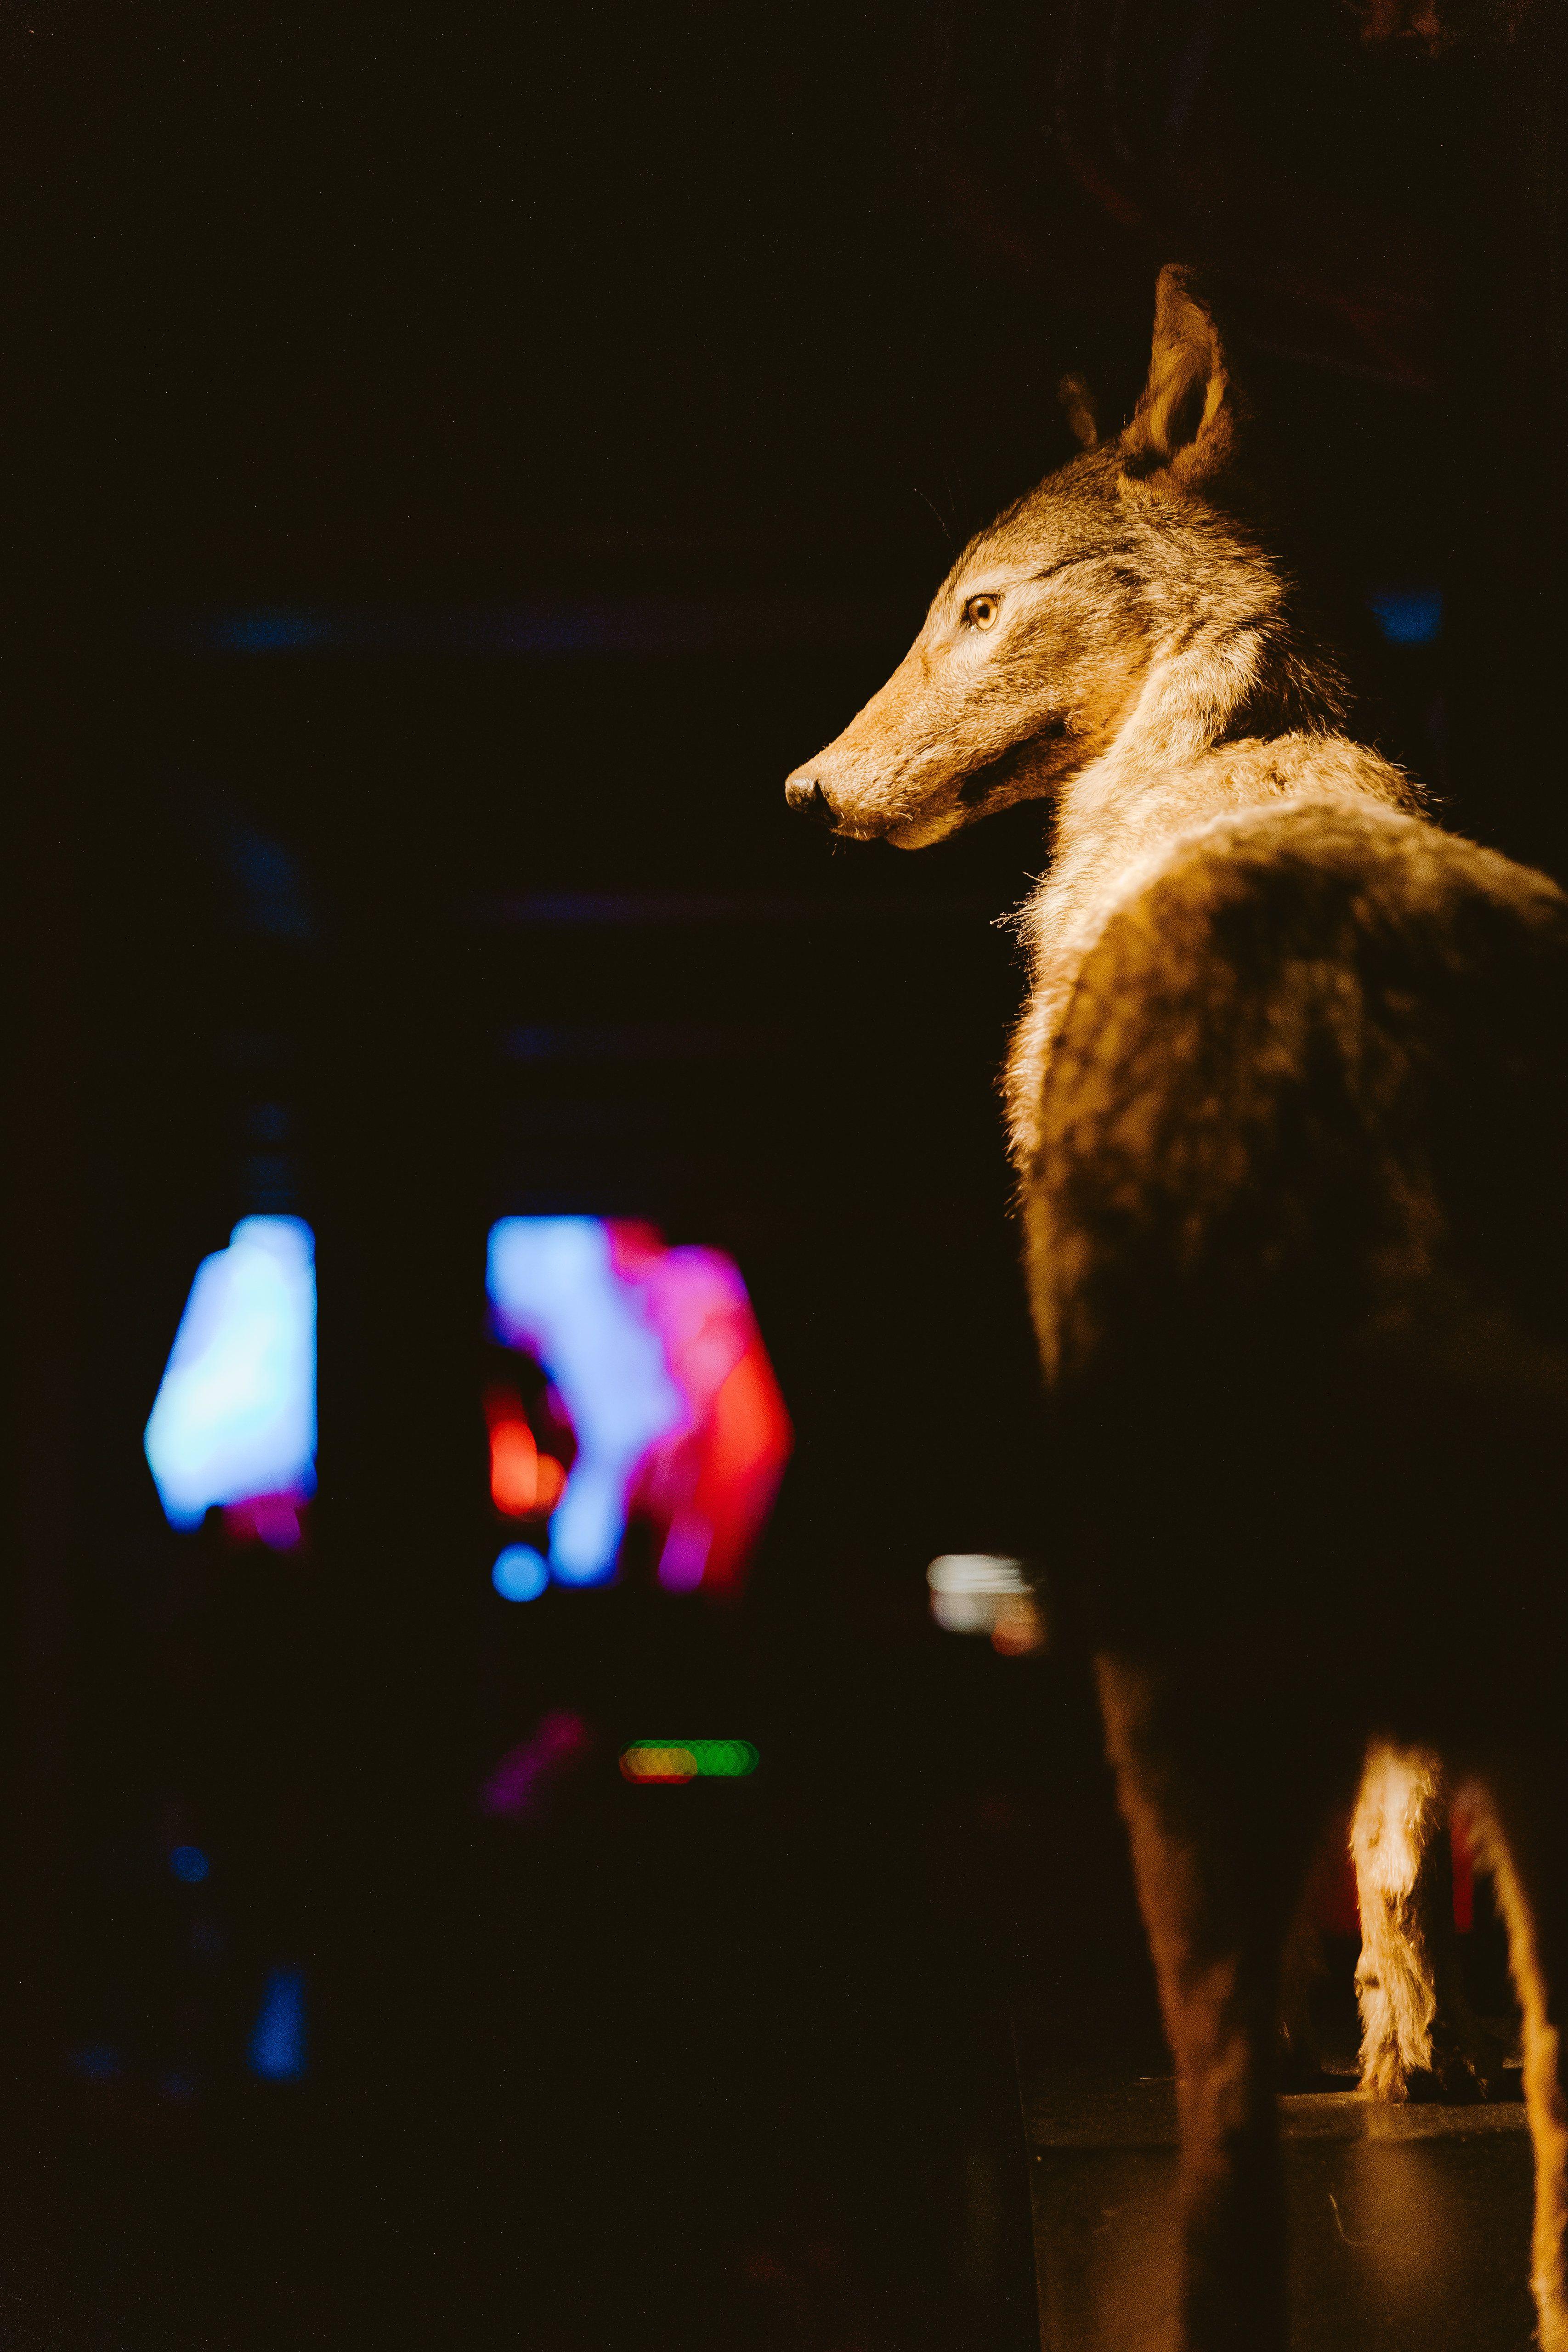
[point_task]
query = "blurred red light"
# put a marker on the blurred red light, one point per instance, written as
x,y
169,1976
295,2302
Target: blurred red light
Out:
x,y
514,1468
704,1482
524,1483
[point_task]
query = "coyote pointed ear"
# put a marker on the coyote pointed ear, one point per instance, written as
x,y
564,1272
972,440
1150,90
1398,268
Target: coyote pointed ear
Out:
x,y
1079,412
1182,419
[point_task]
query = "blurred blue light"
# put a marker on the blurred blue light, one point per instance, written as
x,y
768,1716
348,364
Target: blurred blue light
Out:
x,y
189,1864
554,1289
272,628
1408,616
521,1573
267,878
277,2037
100,2061
235,1415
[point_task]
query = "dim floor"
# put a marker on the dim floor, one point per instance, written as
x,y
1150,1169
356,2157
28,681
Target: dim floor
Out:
x,y
1409,2226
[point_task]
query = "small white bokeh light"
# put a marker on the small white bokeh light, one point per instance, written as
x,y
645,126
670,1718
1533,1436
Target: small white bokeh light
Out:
x,y
982,1593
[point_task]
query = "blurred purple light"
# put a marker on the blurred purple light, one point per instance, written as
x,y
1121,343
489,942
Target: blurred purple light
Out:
x,y
656,1357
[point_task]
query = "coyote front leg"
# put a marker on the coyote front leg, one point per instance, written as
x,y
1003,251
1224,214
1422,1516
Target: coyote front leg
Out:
x,y
1419,2038
1217,1882
1523,1841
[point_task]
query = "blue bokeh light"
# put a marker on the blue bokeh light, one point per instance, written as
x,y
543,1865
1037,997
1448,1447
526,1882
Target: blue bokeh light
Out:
x,y
189,1864
272,628
278,2050
235,1415
1408,616
521,1573
554,1289
99,2062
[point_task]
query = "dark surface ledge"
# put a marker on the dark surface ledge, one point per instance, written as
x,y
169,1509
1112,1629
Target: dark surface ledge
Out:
x,y
1087,2110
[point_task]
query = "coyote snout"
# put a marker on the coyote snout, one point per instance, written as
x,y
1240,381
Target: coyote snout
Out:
x,y
1031,654
804,794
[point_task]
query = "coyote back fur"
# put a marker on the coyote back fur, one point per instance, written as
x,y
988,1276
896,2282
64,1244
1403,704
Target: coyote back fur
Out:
x,y
1288,1112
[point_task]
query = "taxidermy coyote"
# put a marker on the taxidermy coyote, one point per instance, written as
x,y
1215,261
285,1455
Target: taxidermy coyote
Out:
x,y
1289,1113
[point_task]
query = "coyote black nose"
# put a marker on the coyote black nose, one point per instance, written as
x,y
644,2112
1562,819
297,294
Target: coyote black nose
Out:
x,y
807,795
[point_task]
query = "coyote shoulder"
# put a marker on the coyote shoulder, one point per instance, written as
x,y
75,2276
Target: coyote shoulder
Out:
x,y
1289,1109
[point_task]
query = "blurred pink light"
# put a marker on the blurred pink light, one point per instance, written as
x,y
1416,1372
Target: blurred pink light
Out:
x,y
704,1465
525,1781
276,1520
709,1482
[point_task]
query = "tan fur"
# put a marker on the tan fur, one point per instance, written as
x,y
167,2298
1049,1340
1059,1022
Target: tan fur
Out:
x,y
1399,1815
1288,1108
1117,825
1528,1874
1418,2027
1078,411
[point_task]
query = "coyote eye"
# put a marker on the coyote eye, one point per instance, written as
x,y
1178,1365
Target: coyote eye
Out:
x,y
981,612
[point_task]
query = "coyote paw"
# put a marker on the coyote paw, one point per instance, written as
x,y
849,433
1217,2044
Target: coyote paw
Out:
x,y
1468,2063
1465,2067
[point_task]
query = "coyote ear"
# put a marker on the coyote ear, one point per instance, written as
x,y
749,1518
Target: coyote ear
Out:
x,y
1182,419
1078,410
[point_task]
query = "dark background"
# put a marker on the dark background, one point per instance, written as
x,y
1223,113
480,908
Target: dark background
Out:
x,y
457,461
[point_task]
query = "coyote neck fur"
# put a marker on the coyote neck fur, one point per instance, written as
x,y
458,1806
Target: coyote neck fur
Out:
x,y
1185,758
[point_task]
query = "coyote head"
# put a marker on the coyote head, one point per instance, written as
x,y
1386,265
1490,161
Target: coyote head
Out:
x,y
1116,602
